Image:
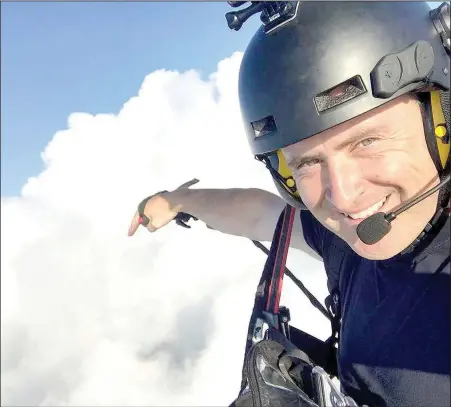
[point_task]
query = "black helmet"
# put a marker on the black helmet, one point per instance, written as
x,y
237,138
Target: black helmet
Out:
x,y
372,52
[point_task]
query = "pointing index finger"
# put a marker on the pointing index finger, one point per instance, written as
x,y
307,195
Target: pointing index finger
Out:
x,y
136,221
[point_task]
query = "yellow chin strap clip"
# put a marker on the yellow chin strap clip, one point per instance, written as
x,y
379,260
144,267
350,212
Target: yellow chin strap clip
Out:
x,y
442,138
285,173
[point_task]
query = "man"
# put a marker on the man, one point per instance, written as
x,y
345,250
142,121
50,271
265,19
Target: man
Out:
x,y
347,130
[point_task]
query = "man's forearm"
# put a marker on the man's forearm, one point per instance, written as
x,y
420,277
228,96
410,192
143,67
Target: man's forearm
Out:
x,y
250,213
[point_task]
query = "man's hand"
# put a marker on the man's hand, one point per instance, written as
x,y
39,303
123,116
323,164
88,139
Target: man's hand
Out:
x,y
159,211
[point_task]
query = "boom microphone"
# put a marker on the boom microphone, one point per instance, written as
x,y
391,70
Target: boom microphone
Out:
x,y
376,226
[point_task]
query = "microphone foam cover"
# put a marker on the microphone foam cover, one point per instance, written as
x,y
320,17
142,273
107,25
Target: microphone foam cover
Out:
x,y
373,228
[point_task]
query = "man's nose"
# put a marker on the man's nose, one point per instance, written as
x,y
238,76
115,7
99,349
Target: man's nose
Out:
x,y
344,183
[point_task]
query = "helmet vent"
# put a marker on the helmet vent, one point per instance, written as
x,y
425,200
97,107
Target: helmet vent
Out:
x,y
344,92
264,126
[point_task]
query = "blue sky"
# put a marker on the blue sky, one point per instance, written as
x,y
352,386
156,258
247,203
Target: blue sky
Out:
x,y
58,58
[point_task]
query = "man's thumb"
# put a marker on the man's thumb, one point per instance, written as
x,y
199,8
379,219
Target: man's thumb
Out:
x,y
189,183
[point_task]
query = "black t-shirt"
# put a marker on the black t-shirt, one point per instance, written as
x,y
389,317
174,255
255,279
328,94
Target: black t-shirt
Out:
x,y
394,345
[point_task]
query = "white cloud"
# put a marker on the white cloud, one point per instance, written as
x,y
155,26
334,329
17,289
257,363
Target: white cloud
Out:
x,y
93,317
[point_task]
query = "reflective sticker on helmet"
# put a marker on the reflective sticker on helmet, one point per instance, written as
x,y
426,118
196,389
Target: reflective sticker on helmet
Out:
x,y
264,126
339,94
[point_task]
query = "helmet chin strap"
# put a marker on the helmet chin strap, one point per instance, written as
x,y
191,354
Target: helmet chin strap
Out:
x,y
445,192
432,140
285,190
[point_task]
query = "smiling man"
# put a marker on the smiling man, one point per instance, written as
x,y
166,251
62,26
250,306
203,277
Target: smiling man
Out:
x,y
347,105
373,163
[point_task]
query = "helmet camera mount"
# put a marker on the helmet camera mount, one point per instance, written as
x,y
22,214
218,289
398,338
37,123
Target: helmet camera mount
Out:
x,y
273,14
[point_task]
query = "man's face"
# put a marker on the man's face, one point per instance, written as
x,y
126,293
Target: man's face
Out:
x,y
375,162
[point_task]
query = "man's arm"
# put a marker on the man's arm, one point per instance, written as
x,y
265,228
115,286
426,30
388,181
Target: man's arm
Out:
x,y
252,213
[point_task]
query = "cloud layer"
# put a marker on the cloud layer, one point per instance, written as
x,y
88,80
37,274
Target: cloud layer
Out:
x,y
93,317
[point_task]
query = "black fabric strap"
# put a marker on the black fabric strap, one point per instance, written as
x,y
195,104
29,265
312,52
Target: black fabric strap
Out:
x,y
445,102
320,307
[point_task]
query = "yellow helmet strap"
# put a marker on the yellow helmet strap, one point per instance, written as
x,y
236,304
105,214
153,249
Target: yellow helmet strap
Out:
x,y
436,111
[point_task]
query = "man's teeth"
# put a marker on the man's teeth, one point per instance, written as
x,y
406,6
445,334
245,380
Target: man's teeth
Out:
x,y
367,212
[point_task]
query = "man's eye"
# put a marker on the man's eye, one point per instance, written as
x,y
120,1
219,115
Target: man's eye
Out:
x,y
366,142
308,163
